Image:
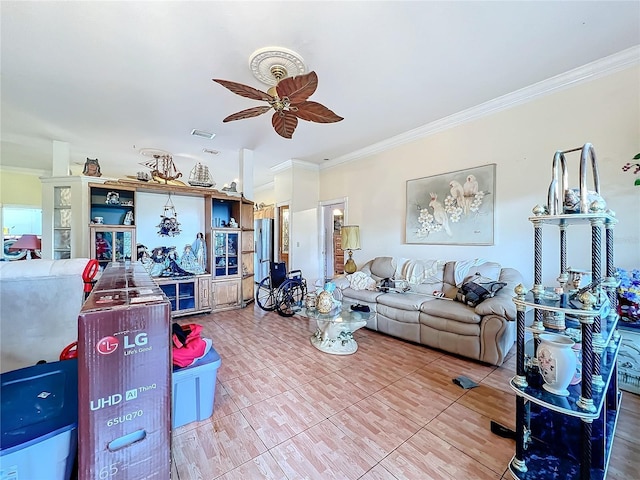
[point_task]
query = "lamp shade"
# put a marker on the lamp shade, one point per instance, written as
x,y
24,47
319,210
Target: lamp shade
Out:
x,y
27,242
350,237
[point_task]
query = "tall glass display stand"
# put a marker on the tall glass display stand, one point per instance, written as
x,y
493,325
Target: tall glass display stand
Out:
x,y
568,437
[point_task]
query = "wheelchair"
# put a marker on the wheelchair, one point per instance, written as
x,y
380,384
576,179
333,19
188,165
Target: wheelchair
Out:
x,y
281,290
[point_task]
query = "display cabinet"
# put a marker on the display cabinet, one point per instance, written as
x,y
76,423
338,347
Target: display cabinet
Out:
x,y
568,436
225,253
188,295
111,243
110,205
65,213
181,294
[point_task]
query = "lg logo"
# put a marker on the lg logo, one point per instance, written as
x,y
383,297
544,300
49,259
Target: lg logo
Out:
x,y
107,345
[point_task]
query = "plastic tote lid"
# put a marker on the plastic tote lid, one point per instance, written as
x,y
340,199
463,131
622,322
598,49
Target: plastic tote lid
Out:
x,y
37,401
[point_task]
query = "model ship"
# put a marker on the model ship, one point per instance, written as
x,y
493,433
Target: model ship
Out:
x,y
200,176
163,170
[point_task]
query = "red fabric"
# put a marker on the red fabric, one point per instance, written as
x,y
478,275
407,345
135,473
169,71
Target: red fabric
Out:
x,y
194,347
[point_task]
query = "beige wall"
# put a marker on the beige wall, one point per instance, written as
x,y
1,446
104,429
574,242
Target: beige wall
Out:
x,y
521,141
20,189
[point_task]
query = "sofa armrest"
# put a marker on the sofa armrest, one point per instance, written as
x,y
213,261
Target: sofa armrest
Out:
x,y
341,282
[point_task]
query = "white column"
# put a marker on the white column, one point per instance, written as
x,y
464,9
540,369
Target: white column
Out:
x,y
246,173
60,163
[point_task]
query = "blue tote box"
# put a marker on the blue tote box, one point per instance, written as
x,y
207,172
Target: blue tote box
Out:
x,y
194,388
38,421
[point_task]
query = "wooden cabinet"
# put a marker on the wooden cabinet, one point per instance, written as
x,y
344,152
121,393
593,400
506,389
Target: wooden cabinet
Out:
x,y
247,251
225,294
111,208
338,254
204,292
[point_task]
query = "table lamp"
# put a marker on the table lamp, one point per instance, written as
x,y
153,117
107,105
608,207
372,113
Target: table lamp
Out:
x,y
350,241
27,242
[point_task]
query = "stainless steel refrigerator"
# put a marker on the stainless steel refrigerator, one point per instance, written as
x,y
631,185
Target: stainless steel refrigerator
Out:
x,y
263,231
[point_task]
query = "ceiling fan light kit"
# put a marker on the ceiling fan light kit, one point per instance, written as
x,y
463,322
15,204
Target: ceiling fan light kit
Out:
x,y
288,95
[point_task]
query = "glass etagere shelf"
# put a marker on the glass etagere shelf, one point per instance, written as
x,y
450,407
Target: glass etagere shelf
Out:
x,y
569,405
573,218
550,302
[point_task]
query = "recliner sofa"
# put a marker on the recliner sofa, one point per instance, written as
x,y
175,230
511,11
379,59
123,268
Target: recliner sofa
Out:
x,y
485,332
39,305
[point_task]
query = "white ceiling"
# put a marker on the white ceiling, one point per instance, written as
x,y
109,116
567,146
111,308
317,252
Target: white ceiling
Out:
x,y
111,78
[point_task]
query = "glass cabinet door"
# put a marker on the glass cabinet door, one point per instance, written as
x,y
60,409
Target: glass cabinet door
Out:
x,y
112,244
61,223
225,249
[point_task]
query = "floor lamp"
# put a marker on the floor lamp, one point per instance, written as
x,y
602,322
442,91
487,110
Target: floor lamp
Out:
x,y
350,241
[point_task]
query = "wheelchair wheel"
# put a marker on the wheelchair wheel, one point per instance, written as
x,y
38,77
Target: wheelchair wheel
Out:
x,y
290,297
266,296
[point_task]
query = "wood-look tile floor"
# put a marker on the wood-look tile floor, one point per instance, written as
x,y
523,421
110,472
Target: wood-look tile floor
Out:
x,y
286,411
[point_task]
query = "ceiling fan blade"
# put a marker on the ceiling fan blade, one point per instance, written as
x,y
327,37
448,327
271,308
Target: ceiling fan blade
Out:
x,y
315,112
298,88
244,90
248,113
284,123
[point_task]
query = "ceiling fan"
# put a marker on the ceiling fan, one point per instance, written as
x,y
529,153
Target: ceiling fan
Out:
x,y
288,97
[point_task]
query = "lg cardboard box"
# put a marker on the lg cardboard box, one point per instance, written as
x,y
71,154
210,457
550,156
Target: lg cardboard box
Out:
x,y
124,378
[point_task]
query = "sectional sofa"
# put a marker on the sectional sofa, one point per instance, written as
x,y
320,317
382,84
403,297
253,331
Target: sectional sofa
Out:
x,y
485,332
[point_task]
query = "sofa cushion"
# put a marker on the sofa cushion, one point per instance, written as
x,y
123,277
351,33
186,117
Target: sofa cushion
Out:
x,y
446,325
361,281
401,301
424,276
369,296
476,288
456,272
451,310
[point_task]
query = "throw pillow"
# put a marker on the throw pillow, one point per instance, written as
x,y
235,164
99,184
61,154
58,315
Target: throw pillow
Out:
x,y
476,289
361,281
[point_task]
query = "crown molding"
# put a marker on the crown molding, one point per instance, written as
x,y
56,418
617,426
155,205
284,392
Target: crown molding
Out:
x,y
288,164
591,71
265,187
25,171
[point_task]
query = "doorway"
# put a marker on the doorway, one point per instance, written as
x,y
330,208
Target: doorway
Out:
x,y
332,219
283,234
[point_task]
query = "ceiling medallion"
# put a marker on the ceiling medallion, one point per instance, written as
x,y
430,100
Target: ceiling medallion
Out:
x,y
264,61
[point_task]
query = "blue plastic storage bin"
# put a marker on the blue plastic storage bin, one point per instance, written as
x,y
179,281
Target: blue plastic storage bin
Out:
x,y
194,388
39,421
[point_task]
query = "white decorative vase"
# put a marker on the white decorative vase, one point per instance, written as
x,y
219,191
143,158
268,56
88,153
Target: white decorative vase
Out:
x,y
310,301
324,302
557,362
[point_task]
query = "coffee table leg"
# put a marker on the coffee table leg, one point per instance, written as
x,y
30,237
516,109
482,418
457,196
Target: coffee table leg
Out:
x,y
336,338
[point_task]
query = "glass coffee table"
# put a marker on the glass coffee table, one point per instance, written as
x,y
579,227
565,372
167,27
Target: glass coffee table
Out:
x,y
335,329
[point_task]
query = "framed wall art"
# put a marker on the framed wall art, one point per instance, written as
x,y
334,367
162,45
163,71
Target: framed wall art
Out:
x,y
455,208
